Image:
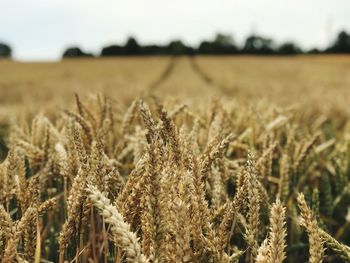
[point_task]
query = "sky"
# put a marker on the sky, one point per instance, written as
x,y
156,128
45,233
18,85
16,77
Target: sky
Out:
x,y
42,29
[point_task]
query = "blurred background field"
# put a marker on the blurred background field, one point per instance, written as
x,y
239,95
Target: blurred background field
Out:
x,y
306,81
315,86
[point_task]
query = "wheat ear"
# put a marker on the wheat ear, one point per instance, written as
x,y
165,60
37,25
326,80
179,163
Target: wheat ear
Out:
x,y
123,237
309,222
277,233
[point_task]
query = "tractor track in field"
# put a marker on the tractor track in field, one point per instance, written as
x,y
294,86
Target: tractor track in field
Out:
x,y
194,67
202,75
163,76
206,78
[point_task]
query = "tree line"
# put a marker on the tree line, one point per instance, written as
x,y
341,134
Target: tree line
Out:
x,y
222,44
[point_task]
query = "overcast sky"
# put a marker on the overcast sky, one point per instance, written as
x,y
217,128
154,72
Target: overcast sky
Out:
x,y
41,29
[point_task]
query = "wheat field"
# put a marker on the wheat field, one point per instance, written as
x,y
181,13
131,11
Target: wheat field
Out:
x,y
184,159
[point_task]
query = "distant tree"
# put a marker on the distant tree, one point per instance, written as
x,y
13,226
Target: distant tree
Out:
x,y
153,50
258,45
289,48
132,47
222,44
224,40
314,51
5,51
206,47
177,47
114,50
341,44
75,52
